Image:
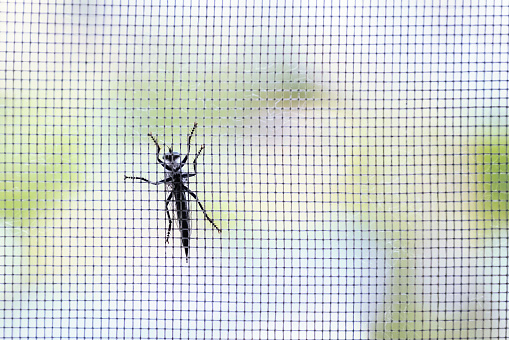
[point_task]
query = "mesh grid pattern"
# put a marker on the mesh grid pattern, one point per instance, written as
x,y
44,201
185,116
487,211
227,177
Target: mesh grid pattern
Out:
x,y
355,157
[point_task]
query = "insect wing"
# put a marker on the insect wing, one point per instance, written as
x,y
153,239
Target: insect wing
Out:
x,y
179,213
170,210
183,218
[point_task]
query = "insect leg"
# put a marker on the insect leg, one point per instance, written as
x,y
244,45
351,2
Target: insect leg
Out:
x,y
158,148
203,209
190,136
167,202
195,166
141,179
184,160
166,180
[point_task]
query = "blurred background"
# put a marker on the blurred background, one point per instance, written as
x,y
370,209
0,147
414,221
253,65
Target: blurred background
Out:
x,y
356,158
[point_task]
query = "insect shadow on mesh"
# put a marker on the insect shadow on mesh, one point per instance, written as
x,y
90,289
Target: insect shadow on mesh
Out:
x,y
176,184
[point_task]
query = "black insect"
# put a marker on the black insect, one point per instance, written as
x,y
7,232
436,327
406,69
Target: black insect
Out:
x,y
176,184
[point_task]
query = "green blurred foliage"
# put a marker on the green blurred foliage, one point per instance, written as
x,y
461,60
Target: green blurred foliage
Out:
x,y
42,165
491,159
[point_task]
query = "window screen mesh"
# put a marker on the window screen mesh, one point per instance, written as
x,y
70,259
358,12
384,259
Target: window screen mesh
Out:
x,y
355,158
